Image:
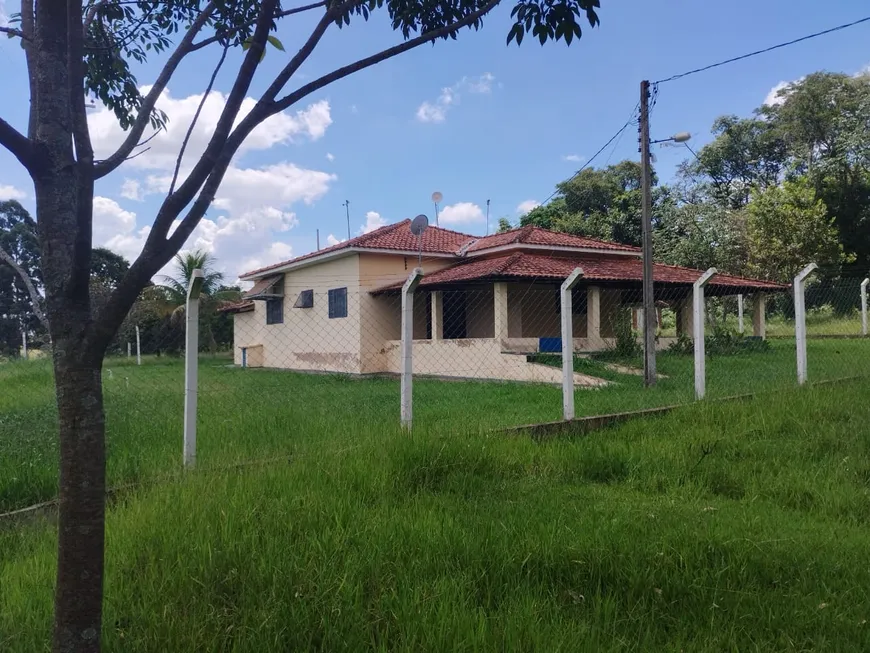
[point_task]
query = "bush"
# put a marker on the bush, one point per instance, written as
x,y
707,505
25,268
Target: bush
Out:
x,y
721,342
625,340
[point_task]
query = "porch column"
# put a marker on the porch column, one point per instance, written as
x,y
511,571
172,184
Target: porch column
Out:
x,y
759,328
685,317
593,317
437,303
501,310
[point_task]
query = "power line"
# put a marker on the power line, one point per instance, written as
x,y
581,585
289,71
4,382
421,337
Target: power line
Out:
x,y
765,50
628,122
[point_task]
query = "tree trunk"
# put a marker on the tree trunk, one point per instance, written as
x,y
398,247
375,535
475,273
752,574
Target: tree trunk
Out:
x,y
81,525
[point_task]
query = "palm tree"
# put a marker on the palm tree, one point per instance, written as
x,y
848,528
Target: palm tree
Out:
x,y
171,295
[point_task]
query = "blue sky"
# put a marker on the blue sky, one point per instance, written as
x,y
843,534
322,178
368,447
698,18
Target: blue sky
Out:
x,y
473,119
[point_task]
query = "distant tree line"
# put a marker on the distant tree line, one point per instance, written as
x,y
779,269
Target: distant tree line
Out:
x,y
158,312
787,186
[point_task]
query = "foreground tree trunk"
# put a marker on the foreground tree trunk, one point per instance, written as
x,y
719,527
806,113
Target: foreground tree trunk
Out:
x,y
79,588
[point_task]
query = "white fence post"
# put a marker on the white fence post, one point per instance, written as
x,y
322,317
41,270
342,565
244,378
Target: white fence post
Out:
x,y
740,313
800,321
864,306
191,366
24,343
129,350
138,347
698,328
407,346
568,343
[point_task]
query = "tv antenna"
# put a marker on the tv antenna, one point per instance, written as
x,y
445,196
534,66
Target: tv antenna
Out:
x,y
418,226
436,197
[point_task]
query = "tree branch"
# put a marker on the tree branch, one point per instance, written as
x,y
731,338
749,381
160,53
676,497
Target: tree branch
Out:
x,y
103,168
280,14
11,31
174,203
90,15
21,147
35,297
262,111
195,119
335,75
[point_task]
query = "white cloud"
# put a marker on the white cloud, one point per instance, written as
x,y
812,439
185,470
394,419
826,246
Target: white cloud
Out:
x,y
773,97
574,158
373,221
253,206
162,151
528,205
353,109
461,213
11,193
330,157
4,17
332,240
131,190
450,95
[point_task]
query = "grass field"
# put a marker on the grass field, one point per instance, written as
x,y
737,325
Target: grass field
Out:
x,y
256,414
734,526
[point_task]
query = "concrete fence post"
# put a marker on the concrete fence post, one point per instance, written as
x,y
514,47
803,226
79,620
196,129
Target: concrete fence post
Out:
x,y
800,321
864,306
191,366
407,412
24,344
566,307
740,313
138,347
129,349
698,329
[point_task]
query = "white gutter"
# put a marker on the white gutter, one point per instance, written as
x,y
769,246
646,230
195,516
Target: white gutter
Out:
x,y
339,253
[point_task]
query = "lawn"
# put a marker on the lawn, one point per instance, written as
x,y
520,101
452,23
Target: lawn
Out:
x,y
256,414
720,526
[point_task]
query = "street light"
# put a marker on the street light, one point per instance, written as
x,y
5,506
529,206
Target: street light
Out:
x,y
679,137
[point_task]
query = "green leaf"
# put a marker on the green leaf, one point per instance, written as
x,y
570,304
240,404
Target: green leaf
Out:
x,y
275,42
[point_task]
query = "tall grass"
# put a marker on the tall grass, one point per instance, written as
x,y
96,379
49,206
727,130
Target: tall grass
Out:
x,y
254,414
737,526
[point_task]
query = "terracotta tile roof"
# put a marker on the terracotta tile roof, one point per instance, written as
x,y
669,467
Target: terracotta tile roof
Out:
x,y
437,240
237,307
522,265
532,235
398,236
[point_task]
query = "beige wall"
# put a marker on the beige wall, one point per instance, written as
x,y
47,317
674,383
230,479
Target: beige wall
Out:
x,y
308,339
381,316
476,358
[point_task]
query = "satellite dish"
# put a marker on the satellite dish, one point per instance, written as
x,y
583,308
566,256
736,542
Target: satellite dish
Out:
x,y
437,196
419,224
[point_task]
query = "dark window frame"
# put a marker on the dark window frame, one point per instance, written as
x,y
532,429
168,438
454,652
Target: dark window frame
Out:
x,y
271,317
337,303
305,299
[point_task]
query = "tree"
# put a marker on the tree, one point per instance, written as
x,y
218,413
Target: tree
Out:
x,y
71,49
107,267
825,121
504,224
745,153
172,295
20,302
787,228
600,203
701,236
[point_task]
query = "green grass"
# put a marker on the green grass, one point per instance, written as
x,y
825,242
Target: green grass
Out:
x,y
256,414
734,526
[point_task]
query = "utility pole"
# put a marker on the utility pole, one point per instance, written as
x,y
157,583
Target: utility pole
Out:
x,y
347,210
649,312
487,217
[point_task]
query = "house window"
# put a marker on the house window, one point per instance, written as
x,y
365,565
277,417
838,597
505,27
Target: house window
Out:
x,y
305,299
275,311
337,303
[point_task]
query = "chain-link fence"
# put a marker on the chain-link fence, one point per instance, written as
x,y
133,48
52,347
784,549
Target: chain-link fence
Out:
x,y
311,369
